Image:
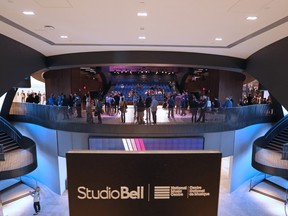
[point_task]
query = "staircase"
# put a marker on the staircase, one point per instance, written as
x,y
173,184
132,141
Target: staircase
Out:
x,y
269,154
277,142
8,144
17,152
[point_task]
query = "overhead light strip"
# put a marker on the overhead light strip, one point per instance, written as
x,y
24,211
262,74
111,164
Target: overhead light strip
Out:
x,y
29,13
142,14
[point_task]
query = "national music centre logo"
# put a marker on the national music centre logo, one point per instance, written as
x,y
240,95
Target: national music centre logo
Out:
x,y
141,192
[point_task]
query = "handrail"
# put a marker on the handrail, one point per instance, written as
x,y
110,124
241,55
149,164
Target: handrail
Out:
x,y
2,157
272,132
280,125
244,115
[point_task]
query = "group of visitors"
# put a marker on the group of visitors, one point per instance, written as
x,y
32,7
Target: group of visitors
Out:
x,y
181,103
149,105
114,104
32,97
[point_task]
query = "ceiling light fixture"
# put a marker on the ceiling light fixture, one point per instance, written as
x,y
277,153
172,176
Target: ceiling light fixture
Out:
x,y
251,18
142,14
141,37
64,36
29,13
218,39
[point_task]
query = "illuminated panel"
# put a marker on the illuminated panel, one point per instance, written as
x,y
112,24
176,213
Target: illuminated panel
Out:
x,y
134,147
138,144
129,144
142,144
125,144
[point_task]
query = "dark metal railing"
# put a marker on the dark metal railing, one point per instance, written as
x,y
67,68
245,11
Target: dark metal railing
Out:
x,y
244,115
2,157
267,160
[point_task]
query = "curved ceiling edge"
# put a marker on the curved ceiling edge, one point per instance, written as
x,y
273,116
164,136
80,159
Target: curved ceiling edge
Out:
x,y
160,58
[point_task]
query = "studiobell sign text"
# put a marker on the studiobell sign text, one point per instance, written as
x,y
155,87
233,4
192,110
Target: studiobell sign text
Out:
x,y
121,183
108,193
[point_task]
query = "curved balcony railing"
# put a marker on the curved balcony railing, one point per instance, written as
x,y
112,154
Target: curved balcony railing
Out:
x,y
223,120
269,160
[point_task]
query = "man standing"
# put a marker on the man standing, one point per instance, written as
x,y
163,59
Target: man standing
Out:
x,y
203,107
99,110
178,99
171,105
140,111
78,106
153,108
135,101
36,200
147,108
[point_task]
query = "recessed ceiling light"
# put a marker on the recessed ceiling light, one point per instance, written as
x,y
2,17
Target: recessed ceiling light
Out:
x,y
142,14
31,13
64,36
218,39
49,27
251,18
141,37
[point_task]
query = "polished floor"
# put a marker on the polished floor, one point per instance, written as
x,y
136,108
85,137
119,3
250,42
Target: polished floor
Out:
x,y
241,202
162,117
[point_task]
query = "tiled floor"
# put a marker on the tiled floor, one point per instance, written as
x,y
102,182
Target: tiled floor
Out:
x,y
238,203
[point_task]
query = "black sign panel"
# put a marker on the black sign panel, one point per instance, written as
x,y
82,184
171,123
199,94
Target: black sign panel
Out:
x,y
109,183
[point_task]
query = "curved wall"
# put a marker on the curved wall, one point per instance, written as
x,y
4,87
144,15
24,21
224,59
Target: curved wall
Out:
x,y
270,67
17,62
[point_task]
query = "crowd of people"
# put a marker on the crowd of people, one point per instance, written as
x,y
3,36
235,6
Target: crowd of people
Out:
x,y
144,108
32,97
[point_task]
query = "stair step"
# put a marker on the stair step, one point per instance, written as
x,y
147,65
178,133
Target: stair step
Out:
x,y
271,189
282,136
273,148
280,139
8,142
275,144
4,184
5,139
14,193
11,148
